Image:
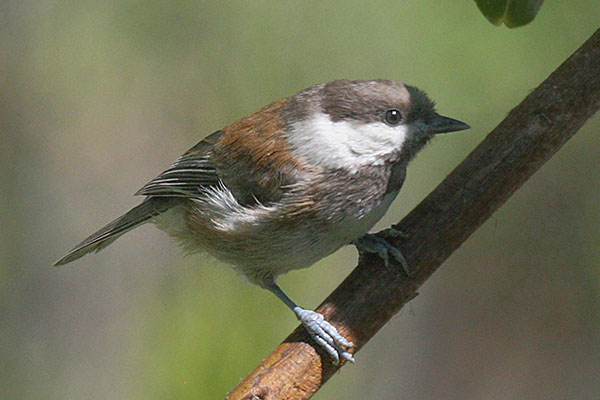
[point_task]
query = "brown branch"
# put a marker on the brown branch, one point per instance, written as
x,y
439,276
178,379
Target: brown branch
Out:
x,y
372,294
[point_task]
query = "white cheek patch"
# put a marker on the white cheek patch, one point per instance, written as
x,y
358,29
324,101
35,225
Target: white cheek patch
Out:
x,y
345,144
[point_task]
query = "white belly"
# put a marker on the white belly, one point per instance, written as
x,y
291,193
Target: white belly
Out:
x,y
257,245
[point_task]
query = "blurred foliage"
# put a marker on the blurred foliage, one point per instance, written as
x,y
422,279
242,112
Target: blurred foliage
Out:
x,y
99,97
513,13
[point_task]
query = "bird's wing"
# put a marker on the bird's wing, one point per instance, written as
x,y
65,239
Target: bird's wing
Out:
x,y
193,171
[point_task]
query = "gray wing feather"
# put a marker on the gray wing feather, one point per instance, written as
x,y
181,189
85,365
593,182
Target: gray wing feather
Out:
x,y
186,176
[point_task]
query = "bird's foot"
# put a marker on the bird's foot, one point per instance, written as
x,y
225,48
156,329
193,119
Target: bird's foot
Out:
x,y
378,244
324,334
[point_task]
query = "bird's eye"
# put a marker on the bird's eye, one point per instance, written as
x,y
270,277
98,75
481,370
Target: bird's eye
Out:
x,y
393,116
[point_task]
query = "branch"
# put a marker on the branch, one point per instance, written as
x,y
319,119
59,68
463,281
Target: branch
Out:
x,y
372,294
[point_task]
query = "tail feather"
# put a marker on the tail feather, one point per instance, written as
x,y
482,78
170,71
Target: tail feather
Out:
x,y
138,215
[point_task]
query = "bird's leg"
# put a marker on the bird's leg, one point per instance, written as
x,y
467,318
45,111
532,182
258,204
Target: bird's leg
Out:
x,y
378,244
318,328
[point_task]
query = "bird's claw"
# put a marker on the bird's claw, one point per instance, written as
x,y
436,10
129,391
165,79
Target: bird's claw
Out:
x,y
378,244
324,334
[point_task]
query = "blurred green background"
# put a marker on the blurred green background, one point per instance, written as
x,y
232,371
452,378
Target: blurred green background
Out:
x,y
99,97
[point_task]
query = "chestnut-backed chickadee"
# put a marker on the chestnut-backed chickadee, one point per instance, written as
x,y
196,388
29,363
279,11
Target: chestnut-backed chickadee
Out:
x,y
290,184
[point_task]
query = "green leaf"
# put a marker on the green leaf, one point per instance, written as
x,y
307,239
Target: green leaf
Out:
x,y
513,13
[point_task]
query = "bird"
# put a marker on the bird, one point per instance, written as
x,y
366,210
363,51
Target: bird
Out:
x,y
290,184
